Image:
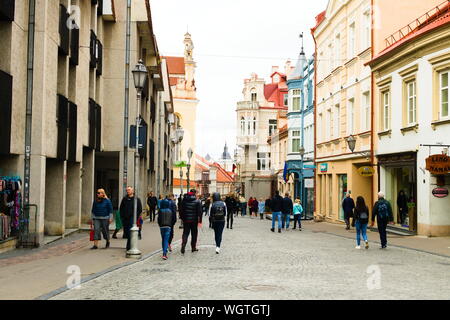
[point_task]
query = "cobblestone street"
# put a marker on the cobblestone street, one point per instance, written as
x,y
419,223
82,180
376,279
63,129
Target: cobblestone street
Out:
x,y
257,264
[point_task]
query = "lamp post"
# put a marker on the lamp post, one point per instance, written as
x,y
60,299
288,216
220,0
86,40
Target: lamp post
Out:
x,y
189,154
140,77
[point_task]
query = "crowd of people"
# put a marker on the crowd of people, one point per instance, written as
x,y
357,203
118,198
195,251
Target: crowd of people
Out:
x,y
221,211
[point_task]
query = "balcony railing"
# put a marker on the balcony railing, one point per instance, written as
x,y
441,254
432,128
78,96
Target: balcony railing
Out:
x,y
247,105
247,140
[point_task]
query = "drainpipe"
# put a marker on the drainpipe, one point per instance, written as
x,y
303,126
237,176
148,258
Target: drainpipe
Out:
x,y
315,122
160,115
372,97
29,102
127,98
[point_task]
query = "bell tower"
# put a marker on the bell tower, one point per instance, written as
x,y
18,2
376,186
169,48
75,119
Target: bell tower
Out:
x,y
189,62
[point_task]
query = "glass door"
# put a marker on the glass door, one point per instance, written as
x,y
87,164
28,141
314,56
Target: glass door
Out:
x,y
342,191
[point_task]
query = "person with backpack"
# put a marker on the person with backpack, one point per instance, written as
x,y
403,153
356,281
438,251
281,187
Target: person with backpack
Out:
x,y
166,220
218,212
382,210
298,211
348,205
361,217
286,210
191,215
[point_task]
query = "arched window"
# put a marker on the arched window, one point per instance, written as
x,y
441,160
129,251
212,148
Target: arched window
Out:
x,y
242,126
248,126
253,95
254,126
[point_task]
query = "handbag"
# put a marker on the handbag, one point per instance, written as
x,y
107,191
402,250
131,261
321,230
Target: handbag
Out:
x,y
91,233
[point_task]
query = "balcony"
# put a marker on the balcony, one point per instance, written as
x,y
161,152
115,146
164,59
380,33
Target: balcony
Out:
x,y
247,105
247,140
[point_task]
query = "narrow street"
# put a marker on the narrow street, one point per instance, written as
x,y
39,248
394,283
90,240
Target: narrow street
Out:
x,y
257,264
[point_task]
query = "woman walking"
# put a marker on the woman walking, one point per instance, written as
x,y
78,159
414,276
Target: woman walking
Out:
x,y
166,220
261,208
298,211
102,214
361,216
218,212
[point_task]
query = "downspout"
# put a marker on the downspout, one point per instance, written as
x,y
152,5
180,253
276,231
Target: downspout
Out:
x,y
372,151
315,123
29,102
127,98
161,118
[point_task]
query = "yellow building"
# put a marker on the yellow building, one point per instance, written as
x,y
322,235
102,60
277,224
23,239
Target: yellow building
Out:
x,y
343,105
182,81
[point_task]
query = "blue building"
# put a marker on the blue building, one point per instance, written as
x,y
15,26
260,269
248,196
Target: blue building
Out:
x,y
300,159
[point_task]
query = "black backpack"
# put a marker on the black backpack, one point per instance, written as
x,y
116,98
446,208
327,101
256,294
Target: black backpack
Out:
x,y
364,216
219,212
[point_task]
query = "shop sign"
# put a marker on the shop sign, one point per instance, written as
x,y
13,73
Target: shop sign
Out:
x,y
438,164
440,192
366,171
323,167
309,183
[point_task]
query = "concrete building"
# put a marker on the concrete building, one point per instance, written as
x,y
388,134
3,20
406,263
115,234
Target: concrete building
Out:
x,y
412,120
257,121
300,157
184,91
72,101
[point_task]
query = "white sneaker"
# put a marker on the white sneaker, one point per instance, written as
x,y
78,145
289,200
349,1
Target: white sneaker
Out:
x,y
217,250
358,247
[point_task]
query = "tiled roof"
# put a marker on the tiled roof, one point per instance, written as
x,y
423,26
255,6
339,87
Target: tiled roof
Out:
x,y
176,65
222,174
176,182
319,19
269,90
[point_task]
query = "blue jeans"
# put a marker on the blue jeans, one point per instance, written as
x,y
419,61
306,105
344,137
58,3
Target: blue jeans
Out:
x,y
276,215
286,220
361,229
218,227
165,235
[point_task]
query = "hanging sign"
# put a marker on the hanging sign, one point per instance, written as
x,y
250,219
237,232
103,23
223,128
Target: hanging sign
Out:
x,y
438,164
366,171
440,192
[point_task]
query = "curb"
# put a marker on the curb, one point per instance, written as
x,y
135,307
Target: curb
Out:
x,y
56,292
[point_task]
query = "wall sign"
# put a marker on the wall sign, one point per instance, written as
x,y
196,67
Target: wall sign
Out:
x,y
366,171
438,164
440,192
323,167
309,183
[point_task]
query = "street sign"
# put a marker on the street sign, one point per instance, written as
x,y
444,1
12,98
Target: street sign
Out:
x,y
366,171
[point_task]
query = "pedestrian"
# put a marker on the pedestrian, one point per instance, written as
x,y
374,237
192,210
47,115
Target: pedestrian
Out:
x,y
217,212
102,214
402,204
250,207
243,206
261,208
267,204
361,217
230,202
180,200
191,215
237,204
287,209
255,207
173,208
298,212
158,202
118,223
382,210
127,213
276,205
152,203
166,219
207,204
348,205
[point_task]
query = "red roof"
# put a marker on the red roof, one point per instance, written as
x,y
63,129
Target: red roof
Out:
x,y
429,25
319,19
176,65
222,174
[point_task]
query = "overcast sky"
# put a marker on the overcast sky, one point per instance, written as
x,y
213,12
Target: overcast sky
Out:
x,y
232,39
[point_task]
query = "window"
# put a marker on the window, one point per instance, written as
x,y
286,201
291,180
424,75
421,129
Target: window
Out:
x,y
336,126
242,126
263,161
351,41
411,102
254,126
248,126
331,52
365,117
295,141
272,127
444,95
296,100
385,111
351,116
285,99
253,95
337,51
366,29
319,128
328,125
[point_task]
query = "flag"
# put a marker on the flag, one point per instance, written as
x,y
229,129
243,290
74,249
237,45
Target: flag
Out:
x,y
285,172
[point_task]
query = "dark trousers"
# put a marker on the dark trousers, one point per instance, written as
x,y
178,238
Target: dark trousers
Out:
x,y
218,227
285,220
298,217
171,235
347,217
152,213
230,217
261,214
382,224
126,234
187,228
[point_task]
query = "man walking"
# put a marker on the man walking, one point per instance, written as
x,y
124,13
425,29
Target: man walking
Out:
x,y
127,213
173,208
152,202
287,209
276,205
348,205
230,202
191,215
383,211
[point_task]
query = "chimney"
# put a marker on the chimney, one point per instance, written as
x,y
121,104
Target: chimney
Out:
x,y
287,68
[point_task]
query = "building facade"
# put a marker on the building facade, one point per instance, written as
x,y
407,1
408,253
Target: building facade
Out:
x,y
412,121
64,120
300,157
257,121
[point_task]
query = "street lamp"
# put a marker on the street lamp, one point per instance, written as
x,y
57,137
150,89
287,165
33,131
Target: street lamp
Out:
x,y
140,77
189,154
351,143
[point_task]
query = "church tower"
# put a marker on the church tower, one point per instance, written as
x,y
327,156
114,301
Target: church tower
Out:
x,y
189,62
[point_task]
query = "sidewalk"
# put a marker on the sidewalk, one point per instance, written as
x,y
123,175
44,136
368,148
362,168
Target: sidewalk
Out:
x,y
28,274
437,245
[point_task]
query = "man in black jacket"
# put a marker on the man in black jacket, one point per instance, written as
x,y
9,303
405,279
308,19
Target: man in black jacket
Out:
x,y
152,202
288,208
191,215
382,211
276,205
231,205
127,213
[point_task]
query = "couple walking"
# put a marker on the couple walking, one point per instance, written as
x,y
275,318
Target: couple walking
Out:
x,y
282,208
